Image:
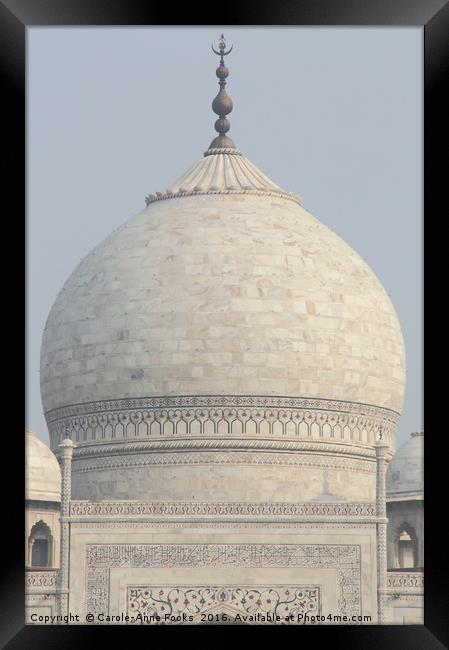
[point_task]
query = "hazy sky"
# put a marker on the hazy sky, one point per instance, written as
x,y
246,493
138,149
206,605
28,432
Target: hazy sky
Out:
x,y
332,114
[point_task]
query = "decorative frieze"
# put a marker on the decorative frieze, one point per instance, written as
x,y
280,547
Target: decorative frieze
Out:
x,y
175,509
143,524
222,416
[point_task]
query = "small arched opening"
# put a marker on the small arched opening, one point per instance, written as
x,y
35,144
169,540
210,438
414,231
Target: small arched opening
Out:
x,y
406,544
40,545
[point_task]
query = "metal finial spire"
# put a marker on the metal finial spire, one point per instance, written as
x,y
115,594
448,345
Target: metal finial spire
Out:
x,y
222,104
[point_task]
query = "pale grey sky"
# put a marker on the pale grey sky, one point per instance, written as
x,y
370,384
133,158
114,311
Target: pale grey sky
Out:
x,y
333,114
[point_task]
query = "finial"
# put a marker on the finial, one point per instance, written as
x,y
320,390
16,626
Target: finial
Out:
x,y
222,104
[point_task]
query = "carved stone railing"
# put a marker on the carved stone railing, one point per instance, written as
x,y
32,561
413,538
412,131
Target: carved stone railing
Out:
x,y
45,579
92,509
405,582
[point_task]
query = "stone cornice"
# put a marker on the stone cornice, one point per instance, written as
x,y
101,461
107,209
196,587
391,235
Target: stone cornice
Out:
x,y
405,496
159,196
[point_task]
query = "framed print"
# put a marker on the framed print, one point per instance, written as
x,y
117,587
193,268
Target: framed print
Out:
x,y
224,333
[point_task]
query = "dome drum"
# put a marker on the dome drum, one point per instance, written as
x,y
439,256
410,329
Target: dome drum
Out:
x,y
285,445
224,476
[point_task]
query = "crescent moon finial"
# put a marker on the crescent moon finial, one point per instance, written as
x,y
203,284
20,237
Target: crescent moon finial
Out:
x,y
222,104
222,48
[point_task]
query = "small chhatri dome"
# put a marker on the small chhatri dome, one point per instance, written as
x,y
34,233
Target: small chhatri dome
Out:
x,y
405,474
42,471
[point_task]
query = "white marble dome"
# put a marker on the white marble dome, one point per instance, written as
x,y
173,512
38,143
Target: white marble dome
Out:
x,y
405,474
222,294
221,326
42,471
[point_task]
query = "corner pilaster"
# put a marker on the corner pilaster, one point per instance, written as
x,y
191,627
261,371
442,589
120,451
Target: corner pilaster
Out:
x,y
381,448
66,454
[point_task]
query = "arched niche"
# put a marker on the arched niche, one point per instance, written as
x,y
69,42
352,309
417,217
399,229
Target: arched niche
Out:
x,y
40,545
406,547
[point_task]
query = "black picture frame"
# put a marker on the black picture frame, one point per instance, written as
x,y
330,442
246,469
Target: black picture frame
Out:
x,y
15,17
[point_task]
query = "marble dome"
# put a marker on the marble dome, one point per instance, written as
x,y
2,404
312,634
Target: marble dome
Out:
x,y
405,474
238,292
42,471
222,316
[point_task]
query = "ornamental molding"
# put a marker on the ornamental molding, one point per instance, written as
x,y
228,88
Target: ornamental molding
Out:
x,y
231,401
294,418
416,600
399,599
228,152
345,559
241,509
229,457
103,523
207,444
175,604
33,598
160,196
215,444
